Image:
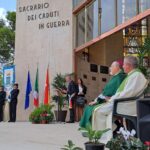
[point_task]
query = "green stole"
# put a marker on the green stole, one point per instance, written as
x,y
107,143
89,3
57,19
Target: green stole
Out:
x,y
123,84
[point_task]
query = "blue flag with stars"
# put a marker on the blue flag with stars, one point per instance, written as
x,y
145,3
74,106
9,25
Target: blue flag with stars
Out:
x,y
28,91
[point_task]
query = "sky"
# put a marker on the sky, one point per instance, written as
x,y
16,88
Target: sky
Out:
x,y
6,5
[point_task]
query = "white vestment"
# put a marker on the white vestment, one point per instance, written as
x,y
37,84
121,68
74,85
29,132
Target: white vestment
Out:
x,y
134,85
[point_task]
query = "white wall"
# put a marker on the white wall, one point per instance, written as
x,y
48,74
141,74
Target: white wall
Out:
x,y
45,46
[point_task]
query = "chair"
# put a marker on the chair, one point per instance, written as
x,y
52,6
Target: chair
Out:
x,y
124,104
127,108
143,118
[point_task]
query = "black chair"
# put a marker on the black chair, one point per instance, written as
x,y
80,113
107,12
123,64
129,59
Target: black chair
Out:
x,y
143,119
133,118
125,104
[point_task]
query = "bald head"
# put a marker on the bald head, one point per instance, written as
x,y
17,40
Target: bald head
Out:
x,y
115,63
115,68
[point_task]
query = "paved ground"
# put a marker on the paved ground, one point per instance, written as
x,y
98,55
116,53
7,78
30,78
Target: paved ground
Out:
x,y
27,136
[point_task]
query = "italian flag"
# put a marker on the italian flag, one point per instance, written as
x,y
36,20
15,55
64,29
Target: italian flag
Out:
x,y
36,90
46,91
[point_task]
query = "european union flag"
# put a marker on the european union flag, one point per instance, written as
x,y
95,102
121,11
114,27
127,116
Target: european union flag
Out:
x,y
28,90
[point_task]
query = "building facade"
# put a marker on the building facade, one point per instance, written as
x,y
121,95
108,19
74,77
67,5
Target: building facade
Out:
x,y
43,39
107,30
81,36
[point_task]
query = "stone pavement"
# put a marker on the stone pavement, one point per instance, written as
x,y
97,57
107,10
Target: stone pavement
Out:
x,y
27,136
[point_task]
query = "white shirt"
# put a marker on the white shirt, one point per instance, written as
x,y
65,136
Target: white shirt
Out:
x,y
80,89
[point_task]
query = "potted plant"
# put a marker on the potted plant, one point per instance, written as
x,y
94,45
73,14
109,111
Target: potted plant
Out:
x,y
71,146
59,84
125,140
46,115
35,116
147,143
94,136
42,114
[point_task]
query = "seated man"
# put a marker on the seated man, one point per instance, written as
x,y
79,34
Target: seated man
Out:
x,y
108,91
132,85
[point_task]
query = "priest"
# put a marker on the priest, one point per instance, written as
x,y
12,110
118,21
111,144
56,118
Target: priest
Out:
x,y
108,91
133,84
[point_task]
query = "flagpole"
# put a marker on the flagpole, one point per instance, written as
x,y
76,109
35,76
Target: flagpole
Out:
x,y
36,89
37,63
49,85
28,67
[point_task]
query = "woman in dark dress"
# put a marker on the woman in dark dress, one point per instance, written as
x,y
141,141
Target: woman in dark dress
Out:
x,y
80,102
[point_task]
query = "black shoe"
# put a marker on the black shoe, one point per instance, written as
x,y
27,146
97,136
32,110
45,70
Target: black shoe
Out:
x,y
11,121
70,121
119,125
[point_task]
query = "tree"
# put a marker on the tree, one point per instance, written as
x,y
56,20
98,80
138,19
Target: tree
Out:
x,y
11,17
7,38
2,23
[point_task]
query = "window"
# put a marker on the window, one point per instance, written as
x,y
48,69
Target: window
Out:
x,y
144,4
92,21
80,28
108,15
134,35
119,12
77,2
129,9
126,9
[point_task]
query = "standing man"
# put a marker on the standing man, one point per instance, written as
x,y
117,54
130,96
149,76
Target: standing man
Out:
x,y
71,94
2,101
13,103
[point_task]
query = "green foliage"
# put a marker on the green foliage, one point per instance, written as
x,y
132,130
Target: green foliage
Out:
x,y
7,44
119,143
142,52
59,84
93,135
71,146
11,17
7,38
2,23
42,113
60,100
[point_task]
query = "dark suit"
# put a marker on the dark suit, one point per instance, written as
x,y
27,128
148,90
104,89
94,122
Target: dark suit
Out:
x,y
2,101
71,90
13,104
